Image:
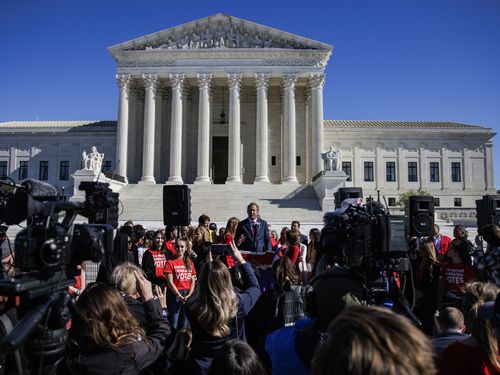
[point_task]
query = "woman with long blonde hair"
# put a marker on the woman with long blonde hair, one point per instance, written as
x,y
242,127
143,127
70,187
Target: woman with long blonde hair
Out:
x,y
216,311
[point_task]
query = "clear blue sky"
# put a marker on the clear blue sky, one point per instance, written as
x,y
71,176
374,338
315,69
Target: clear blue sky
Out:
x,y
393,59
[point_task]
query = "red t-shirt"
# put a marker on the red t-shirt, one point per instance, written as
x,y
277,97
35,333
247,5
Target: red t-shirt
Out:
x,y
182,276
293,252
229,259
457,275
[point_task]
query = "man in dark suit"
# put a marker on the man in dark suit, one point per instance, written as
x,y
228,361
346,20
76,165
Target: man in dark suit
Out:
x,y
451,323
252,233
296,226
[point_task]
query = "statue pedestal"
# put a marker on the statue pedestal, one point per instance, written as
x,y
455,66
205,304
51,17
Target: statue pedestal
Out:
x,y
325,187
89,175
78,177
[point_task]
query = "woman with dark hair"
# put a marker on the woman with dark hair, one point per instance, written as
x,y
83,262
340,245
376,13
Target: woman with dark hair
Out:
x,y
456,271
121,246
154,261
217,312
181,277
105,338
293,249
236,358
427,285
313,251
290,298
171,233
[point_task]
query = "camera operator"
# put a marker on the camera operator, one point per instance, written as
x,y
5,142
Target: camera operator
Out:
x,y
105,338
291,349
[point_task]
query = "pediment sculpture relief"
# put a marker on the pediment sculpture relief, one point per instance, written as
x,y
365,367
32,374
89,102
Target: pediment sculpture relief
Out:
x,y
220,37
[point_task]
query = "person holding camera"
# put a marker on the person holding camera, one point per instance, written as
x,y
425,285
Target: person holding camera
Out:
x,y
105,338
181,277
217,312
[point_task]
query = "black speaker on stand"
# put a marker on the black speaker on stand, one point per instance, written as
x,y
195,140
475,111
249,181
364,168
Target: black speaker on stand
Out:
x,y
176,205
420,212
488,210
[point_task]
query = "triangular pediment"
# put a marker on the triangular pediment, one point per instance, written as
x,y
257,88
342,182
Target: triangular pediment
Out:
x,y
220,31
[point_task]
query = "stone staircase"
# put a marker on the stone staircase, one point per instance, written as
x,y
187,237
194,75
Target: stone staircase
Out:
x,y
279,204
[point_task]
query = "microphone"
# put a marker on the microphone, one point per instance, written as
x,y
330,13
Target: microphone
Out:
x,y
39,189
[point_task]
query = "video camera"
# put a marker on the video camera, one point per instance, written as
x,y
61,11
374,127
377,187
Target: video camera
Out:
x,y
367,239
47,253
365,236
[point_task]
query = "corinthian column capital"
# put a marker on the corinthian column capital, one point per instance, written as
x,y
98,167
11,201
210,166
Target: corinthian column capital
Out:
x,y
123,81
150,81
317,80
234,80
204,80
262,80
177,80
289,80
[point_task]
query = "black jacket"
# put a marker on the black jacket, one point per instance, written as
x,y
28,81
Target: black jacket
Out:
x,y
132,357
205,346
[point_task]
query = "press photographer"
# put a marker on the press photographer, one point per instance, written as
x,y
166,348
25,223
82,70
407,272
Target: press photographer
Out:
x,y
47,254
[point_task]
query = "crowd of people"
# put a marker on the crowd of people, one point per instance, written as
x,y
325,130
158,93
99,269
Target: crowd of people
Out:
x,y
167,301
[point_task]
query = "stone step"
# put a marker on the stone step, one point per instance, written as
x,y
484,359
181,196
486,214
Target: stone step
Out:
x,y
278,203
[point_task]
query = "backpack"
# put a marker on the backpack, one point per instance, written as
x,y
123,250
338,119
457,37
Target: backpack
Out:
x,y
290,304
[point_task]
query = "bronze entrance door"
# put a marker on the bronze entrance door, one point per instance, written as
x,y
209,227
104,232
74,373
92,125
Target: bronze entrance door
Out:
x,y
219,159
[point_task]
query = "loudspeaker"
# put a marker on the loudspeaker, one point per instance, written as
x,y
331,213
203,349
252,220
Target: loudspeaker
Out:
x,y
345,193
176,205
488,210
420,213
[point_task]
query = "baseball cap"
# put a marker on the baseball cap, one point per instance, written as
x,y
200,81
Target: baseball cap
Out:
x,y
490,310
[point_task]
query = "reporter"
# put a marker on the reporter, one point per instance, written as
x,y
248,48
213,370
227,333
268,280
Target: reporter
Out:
x,y
217,312
106,339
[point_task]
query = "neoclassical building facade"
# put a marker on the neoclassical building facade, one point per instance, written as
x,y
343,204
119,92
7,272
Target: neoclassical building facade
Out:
x,y
222,100
176,87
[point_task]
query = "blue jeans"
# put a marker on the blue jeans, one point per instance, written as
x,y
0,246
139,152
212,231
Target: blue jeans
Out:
x,y
176,313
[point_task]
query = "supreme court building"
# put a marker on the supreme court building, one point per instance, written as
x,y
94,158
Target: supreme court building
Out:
x,y
222,100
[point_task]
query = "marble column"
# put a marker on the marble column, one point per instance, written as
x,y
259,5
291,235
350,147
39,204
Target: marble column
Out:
x,y
402,175
488,166
123,81
234,141
148,150
309,161
380,172
204,81
262,144
317,81
446,167
424,168
289,81
175,176
186,106
467,168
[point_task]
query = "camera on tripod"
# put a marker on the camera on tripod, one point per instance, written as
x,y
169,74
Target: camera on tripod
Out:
x,y
47,253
